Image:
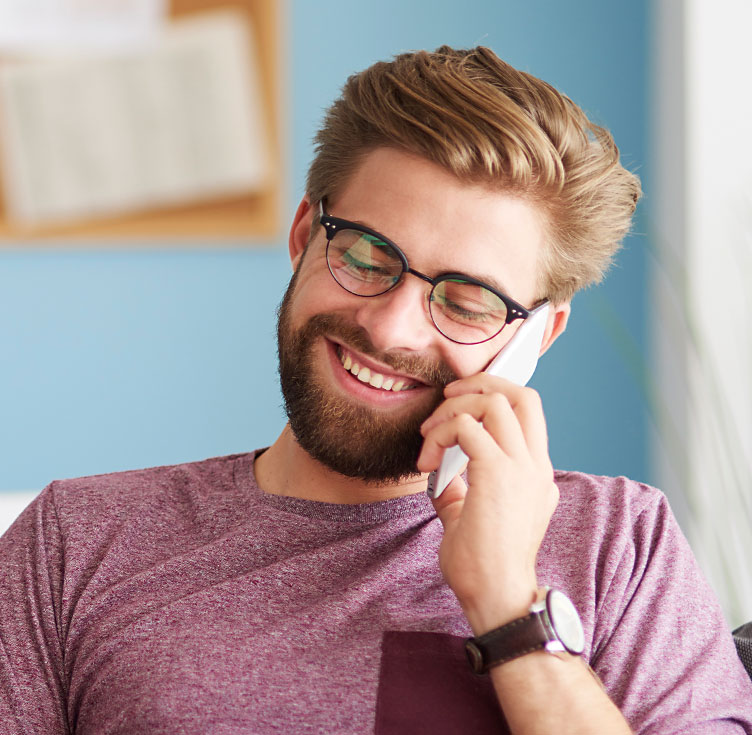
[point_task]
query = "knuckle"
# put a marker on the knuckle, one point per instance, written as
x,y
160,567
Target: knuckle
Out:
x,y
530,397
467,426
465,421
498,402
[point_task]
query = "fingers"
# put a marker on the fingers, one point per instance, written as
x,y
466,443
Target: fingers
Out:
x,y
462,429
477,423
525,402
511,414
529,411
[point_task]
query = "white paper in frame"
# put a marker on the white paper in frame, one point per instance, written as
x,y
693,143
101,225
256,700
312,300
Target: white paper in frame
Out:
x,y
177,122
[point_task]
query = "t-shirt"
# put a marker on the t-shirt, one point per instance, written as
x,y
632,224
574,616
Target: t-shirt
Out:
x,y
185,600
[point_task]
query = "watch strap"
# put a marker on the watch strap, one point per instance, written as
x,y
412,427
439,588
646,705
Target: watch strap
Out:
x,y
510,641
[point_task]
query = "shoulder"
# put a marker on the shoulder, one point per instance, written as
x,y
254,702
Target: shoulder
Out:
x,y
608,504
577,487
133,484
152,495
610,534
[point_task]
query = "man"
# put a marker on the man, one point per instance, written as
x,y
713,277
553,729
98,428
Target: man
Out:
x,y
313,586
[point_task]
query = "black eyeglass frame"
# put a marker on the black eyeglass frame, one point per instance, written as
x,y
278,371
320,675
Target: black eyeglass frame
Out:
x,y
332,225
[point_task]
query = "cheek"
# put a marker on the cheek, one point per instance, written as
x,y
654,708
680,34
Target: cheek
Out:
x,y
467,360
316,292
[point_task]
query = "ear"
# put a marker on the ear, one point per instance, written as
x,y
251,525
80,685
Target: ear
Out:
x,y
300,231
558,316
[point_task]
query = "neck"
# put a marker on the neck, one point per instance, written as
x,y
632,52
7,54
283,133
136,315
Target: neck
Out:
x,y
287,469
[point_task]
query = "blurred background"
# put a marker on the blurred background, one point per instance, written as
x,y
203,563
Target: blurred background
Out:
x,y
147,337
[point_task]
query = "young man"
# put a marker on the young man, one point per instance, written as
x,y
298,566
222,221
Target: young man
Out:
x,y
313,586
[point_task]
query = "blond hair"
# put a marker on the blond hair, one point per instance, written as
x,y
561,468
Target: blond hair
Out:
x,y
486,122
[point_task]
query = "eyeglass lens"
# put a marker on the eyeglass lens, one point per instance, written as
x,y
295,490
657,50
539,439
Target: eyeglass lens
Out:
x,y
367,266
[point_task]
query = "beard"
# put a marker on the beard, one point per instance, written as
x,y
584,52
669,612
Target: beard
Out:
x,y
352,439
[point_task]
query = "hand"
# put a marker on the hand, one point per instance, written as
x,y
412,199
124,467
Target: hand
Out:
x,y
494,525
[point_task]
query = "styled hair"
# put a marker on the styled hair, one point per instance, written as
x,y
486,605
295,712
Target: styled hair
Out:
x,y
486,122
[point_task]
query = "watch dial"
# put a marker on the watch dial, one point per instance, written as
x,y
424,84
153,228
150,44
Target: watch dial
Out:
x,y
566,621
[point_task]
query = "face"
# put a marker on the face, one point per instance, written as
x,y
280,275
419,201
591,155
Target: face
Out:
x,y
359,375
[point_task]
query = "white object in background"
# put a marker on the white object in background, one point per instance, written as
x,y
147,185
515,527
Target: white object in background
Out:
x,y
177,123
11,505
516,361
47,25
702,343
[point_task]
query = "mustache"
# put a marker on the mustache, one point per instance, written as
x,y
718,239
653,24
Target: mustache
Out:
x,y
430,371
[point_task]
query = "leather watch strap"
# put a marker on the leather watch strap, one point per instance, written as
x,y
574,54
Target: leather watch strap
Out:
x,y
520,637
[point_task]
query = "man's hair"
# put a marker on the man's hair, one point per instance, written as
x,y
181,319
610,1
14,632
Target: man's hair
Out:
x,y
488,123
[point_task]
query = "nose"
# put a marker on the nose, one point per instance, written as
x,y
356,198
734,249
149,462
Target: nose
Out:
x,y
398,319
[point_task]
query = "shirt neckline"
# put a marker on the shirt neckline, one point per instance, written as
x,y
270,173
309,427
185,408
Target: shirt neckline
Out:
x,y
413,505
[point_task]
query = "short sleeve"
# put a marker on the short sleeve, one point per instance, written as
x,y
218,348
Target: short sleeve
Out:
x,y
32,679
661,645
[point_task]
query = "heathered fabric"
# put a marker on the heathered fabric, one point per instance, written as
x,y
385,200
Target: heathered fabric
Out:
x,y
184,600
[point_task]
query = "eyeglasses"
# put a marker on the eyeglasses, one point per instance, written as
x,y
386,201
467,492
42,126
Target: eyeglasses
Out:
x,y
365,263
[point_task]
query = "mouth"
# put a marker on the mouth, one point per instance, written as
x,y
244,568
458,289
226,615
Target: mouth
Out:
x,y
370,375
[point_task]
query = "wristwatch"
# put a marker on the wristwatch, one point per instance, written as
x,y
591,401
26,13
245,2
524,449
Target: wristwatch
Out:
x,y
553,625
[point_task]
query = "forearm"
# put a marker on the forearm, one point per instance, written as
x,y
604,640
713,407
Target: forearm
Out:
x,y
545,693
494,525
541,692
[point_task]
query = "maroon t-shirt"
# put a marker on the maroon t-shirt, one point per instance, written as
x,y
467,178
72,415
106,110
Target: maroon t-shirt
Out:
x,y
185,600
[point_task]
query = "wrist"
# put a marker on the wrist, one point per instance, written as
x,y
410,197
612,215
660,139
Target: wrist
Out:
x,y
551,624
494,611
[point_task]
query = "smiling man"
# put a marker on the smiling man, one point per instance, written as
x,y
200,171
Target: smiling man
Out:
x,y
313,586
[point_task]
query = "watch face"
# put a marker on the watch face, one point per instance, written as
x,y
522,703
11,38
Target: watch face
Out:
x,y
565,621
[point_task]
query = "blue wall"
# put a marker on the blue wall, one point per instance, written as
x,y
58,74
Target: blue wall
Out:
x,y
118,358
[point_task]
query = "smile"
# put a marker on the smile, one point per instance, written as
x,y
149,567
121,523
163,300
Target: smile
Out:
x,y
371,377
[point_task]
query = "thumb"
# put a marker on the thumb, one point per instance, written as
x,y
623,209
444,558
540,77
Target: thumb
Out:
x,y
449,504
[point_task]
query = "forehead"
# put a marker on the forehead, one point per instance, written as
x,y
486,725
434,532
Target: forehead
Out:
x,y
444,224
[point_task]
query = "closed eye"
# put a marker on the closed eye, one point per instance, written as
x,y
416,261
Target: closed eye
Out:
x,y
462,313
368,269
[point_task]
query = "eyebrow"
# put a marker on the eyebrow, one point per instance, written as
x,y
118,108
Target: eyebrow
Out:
x,y
490,281
487,280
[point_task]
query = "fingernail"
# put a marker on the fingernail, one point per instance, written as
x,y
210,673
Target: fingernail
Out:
x,y
431,487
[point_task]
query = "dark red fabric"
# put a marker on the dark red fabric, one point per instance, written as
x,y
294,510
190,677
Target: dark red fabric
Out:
x,y
426,686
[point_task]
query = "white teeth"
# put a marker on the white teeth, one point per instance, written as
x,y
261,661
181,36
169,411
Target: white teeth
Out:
x,y
364,376
374,379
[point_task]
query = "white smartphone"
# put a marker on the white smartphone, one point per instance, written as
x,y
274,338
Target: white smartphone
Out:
x,y
516,361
